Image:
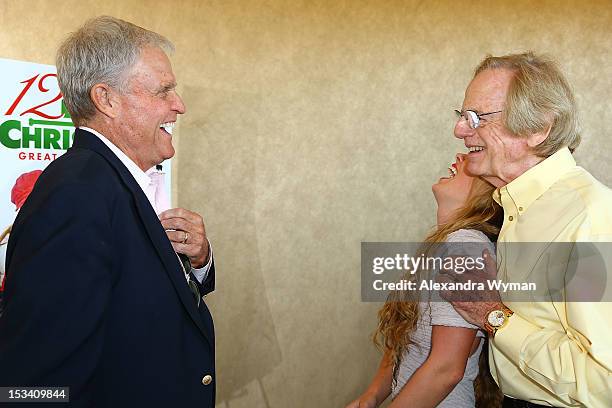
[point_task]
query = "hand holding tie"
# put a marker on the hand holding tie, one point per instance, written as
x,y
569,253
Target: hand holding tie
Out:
x,y
187,234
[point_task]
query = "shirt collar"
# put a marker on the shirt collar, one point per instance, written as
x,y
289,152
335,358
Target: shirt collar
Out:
x,y
140,176
520,193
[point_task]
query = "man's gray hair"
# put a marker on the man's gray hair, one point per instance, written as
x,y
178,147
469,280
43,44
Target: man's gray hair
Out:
x,y
103,50
539,97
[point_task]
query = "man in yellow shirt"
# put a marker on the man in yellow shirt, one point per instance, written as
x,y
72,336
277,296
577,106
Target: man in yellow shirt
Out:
x,y
520,124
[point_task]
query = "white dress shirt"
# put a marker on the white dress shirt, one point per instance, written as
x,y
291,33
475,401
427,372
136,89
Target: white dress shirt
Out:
x,y
152,186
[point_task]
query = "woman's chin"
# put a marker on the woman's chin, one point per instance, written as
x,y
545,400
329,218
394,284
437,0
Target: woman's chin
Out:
x,y
435,189
441,181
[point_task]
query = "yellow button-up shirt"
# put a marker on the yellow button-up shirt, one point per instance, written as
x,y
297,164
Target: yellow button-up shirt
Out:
x,y
555,353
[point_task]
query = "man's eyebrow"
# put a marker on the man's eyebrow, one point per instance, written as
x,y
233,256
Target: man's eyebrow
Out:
x,y
167,87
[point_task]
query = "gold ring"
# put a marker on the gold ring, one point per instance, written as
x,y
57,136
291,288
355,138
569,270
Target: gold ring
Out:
x,y
186,237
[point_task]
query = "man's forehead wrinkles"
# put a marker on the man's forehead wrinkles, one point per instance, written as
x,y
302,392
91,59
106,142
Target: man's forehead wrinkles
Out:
x,y
481,98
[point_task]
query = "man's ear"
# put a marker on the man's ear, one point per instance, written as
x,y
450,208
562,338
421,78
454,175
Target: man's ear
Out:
x,y
105,99
535,139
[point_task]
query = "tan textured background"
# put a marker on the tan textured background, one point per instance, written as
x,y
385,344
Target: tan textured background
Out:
x,y
313,126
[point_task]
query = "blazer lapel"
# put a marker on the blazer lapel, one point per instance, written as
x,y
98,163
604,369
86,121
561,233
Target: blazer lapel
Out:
x,y
85,140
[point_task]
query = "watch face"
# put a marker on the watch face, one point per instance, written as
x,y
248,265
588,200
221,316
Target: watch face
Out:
x,y
496,318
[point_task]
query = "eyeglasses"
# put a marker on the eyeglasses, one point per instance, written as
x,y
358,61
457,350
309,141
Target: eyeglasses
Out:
x,y
473,118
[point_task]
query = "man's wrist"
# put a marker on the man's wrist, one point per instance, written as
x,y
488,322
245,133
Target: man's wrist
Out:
x,y
496,318
207,257
208,252
490,307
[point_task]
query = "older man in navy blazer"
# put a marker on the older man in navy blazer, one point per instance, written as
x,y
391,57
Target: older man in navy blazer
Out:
x,y
103,295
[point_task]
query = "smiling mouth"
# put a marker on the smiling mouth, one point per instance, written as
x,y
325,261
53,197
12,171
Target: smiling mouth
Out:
x,y
475,149
452,172
167,127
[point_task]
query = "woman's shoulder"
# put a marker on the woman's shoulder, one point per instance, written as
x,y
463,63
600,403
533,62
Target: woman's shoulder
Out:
x,y
467,242
467,235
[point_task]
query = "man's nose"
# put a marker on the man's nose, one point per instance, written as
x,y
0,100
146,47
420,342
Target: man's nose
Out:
x,y
178,105
462,129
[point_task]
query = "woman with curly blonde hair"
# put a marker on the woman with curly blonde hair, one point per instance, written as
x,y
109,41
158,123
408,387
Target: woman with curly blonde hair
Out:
x,y
431,354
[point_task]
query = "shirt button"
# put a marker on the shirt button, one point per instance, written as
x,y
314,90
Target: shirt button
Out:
x,y
520,208
510,218
207,379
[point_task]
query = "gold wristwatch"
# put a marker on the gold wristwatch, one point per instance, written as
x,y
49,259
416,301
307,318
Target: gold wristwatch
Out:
x,y
496,319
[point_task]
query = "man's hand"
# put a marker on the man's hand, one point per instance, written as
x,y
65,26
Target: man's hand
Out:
x,y
473,305
187,234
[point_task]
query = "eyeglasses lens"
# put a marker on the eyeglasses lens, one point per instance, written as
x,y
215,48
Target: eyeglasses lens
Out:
x,y
472,119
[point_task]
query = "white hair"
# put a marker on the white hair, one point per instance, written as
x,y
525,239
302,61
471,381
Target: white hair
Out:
x,y
103,50
539,97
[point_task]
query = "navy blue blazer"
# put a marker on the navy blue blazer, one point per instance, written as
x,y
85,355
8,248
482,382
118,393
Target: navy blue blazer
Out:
x,y
95,296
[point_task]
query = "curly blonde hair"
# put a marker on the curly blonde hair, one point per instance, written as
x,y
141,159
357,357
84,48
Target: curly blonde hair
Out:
x,y
399,315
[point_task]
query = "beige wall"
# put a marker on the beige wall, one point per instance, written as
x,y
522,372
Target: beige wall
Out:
x,y
313,126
